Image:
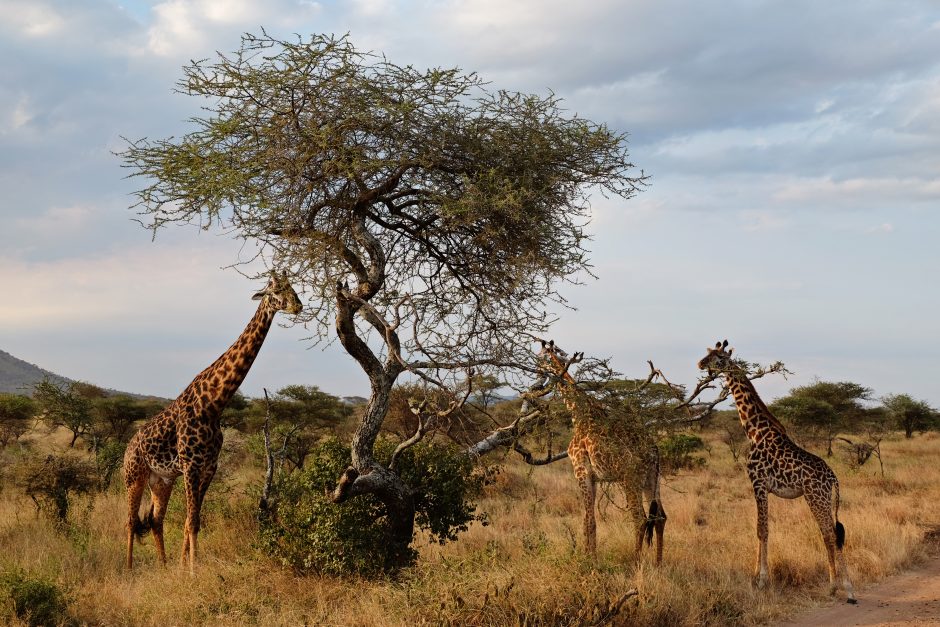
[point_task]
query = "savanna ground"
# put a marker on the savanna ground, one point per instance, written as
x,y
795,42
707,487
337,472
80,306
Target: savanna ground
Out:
x,y
523,567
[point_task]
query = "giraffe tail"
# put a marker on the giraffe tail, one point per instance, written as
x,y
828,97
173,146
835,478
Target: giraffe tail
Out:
x,y
143,525
651,522
840,529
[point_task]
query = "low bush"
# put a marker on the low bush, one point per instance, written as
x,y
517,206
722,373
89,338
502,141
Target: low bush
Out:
x,y
677,452
54,481
309,533
34,599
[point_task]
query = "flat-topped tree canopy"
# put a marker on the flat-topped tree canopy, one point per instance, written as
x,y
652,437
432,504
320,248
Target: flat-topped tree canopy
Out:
x,y
421,206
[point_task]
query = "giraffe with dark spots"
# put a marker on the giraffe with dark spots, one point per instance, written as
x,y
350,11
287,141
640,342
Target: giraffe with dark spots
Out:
x,y
777,465
604,449
185,438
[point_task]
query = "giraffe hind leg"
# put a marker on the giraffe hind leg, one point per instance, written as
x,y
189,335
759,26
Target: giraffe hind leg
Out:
x,y
657,522
833,533
134,482
160,491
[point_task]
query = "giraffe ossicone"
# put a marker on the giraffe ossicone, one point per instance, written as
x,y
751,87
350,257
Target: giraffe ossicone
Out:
x,y
777,465
606,449
185,438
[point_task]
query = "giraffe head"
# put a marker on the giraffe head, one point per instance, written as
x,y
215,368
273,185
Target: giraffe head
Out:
x,y
717,359
555,362
280,295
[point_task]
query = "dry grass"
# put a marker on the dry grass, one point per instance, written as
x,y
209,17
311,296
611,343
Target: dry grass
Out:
x,y
522,568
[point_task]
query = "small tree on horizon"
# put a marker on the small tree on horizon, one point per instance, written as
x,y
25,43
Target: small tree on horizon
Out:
x,y
66,405
16,416
427,218
825,408
911,415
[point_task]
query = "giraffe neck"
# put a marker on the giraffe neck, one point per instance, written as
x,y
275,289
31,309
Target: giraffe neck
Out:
x,y
756,419
214,387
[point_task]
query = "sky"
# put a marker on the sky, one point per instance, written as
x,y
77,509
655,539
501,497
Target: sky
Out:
x,y
794,149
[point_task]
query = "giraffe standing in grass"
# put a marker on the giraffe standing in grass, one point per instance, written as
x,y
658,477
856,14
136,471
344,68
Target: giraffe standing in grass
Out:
x,y
776,465
605,449
186,437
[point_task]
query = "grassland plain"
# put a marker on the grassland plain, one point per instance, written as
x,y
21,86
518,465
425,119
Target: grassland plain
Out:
x,y
523,567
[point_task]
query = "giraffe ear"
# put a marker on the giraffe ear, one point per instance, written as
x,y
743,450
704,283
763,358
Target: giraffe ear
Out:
x,y
730,350
259,295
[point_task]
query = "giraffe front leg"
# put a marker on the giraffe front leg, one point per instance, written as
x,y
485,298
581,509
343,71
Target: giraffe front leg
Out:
x,y
760,495
586,484
634,502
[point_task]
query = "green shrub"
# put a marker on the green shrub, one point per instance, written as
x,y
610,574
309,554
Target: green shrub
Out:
x,y
108,458
676,452
310,533
35,600
53,482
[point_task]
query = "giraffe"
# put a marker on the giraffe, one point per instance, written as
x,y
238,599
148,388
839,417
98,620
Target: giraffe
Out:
x,y
777,465
186,437
603,449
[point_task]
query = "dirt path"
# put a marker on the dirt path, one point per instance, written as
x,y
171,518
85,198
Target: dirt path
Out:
x,y
911,598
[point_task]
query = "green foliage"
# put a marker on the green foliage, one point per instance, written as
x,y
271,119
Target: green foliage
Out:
x,y
113,416
108,458
63,405
310,533
36,600
240,412
467,191
52,483
16,415
300,415
444,483
911,415
825,408
676,452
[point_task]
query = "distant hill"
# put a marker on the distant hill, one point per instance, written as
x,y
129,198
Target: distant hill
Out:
x,y
19,377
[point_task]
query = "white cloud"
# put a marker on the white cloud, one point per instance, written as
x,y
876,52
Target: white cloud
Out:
x,y
57,221
886,227
761,220
191,28
30,18
858,192
146,285
15,113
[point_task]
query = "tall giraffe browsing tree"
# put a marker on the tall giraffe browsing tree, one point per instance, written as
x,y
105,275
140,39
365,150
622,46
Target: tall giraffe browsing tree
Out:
x,y
186,437
604,448
776,465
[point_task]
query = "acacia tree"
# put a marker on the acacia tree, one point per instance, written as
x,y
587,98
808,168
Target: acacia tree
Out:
x,y
825,407
428,218
911,415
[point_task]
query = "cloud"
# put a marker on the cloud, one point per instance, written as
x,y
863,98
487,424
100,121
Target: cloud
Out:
x,y
188,29
31,18
116,289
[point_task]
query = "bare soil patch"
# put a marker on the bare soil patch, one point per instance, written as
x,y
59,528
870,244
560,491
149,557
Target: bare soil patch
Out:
x,y
910,598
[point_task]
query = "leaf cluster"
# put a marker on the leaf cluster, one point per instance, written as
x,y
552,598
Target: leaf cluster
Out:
x,y
54,481
16,416
459,203
310,533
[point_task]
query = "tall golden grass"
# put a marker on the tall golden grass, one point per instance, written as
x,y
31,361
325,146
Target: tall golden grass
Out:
x,y
524,567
